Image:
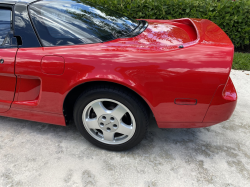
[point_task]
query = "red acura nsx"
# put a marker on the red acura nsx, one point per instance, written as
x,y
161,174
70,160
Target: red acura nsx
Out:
x,y
62,61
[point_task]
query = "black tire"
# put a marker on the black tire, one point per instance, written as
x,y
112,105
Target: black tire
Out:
x,y
125,97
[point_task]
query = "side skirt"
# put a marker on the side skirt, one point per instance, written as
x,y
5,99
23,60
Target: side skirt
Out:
x,y
56,119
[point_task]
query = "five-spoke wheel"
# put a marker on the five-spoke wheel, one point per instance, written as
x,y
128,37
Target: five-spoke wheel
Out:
x,y
111,118
109,121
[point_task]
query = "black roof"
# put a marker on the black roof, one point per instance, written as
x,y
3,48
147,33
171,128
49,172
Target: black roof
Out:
x,y
12,2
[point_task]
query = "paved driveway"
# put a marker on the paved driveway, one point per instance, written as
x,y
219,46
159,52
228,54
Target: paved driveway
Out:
x,y
36,154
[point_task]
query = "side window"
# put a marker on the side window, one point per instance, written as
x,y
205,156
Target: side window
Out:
x,y
5,24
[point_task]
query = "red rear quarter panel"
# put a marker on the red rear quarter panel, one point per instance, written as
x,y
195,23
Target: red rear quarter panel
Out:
x,y
158,74
192,72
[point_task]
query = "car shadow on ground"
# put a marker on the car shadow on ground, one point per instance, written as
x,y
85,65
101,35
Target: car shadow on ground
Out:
x,y
182,142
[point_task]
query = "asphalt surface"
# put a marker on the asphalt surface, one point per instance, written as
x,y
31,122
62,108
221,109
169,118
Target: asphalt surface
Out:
x,y
38,155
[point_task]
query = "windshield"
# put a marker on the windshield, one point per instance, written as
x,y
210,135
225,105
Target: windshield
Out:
x,y
70,23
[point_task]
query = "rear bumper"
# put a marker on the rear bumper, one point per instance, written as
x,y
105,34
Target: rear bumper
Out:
x,y
223,104
220,109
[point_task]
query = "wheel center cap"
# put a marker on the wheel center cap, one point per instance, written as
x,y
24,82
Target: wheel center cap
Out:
x,y
108,123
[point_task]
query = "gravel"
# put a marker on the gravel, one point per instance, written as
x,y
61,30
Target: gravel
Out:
x,y
38,154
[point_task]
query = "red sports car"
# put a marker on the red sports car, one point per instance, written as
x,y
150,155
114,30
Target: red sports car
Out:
x,y
63,61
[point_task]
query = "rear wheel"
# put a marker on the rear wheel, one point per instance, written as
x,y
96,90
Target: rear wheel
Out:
x,y
110,118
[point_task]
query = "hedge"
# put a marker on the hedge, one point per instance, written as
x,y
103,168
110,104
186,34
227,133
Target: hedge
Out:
x,y
232,16
241,61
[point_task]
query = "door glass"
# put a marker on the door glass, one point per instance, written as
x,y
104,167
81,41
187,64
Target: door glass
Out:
x,y
5,24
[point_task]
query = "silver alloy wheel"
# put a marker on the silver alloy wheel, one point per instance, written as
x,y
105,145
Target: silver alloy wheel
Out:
x,y
108,125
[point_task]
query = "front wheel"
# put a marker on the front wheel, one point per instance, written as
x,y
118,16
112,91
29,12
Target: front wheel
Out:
x,y
110,118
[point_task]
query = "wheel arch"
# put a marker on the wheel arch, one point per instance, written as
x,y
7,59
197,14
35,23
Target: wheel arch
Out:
x,y
74,93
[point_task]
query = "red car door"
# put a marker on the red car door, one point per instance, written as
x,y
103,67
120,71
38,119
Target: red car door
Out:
x,y
8,51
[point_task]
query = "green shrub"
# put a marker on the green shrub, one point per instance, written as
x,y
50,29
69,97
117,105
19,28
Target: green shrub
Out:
x,y
232,16
241,61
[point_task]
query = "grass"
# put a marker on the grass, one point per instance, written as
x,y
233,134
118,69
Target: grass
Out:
x,y
241,61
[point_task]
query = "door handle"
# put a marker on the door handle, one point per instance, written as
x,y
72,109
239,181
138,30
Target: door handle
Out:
x,y
1,61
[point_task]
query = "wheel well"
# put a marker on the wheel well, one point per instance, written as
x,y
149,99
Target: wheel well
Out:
x,y
72,96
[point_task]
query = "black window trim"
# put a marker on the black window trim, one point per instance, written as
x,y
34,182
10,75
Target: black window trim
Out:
x,y
21,8
32,24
